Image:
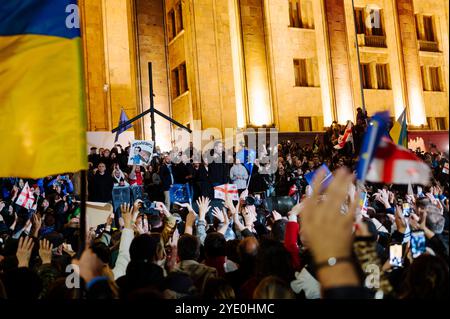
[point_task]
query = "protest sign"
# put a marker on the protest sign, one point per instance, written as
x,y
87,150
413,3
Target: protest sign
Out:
x,y
141,153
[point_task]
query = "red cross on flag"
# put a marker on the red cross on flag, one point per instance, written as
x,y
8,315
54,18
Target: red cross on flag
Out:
x,y
347,137
221,191
26,197
394,164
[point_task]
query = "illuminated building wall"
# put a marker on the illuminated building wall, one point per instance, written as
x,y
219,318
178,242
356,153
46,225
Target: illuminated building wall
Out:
x,y
291,64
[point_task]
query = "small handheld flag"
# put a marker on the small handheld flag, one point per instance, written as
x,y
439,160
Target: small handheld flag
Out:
x,y
180,193
221,191
376,129
26,197
326,180
346,138
394,164
399,131
123,119
363,203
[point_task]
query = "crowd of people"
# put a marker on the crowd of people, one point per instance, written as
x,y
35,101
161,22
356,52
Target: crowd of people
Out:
x,y
325,246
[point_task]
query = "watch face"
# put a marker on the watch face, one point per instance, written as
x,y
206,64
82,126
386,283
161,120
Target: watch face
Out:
x,y
332,261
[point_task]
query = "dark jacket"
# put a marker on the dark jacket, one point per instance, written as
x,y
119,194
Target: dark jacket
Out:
x,y
180,172
165,175
100,187
202,186
218,172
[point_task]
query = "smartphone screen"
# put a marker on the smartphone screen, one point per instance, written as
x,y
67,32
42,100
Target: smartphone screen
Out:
x,y
418,246
406,209
419,190
396,255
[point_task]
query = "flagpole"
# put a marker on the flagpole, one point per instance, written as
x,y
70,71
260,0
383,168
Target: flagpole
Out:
x,y
83,195
359,60
152,105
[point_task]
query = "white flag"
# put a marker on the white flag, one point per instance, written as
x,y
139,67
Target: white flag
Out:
x,y
26,197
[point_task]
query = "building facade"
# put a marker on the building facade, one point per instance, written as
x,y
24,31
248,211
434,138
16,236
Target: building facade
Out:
x,y
289,64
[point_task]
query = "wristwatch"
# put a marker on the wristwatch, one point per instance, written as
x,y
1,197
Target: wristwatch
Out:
x,y
332,261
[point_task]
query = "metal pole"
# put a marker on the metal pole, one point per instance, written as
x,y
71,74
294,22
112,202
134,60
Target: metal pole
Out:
x,y
359,62
83,199
152,105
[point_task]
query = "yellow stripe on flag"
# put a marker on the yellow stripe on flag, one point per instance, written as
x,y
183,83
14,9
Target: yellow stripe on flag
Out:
x,y
395,132
43,119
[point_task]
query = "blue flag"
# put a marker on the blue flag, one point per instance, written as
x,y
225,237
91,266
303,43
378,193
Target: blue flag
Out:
x,y
123,119
326,180
247,158
378,127
180,193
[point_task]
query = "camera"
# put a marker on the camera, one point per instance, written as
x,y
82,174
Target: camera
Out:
x,y
253,200
148,207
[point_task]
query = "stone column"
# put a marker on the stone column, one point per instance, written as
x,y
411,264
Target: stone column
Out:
x,y
255,63
339,57
413,79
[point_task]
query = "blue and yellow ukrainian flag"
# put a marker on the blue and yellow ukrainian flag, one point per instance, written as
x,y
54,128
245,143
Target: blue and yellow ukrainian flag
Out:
x,y
399,132
42,112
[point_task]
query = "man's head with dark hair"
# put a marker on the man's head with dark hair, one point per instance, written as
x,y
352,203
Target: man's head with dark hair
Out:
x,y
274,260
215,245
279,230
137,150
102,251
218,147
143,248
188,247
426,278
101,167
232,250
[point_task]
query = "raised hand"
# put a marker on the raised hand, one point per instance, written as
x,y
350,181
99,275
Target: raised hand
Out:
x,y
110,220
249,218
244,194
185,205
45,251
127,215
276,215
190,220
24,249
142,225
36,222
162,208
203,207
218,214
383,197
297,209
329,232
137,204
225,220
229,205
400,220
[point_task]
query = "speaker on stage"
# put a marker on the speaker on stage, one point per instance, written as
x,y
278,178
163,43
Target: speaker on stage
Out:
x,y
282,204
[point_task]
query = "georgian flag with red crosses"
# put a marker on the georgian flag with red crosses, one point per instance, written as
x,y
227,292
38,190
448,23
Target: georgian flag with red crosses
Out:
x,y
394,164
26,197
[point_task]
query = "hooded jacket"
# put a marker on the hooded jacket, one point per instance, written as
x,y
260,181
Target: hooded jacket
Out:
x,y
199,273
